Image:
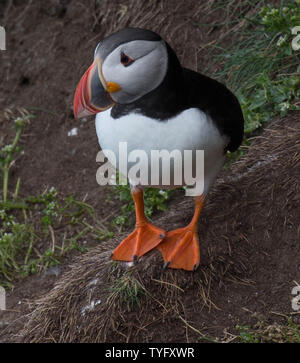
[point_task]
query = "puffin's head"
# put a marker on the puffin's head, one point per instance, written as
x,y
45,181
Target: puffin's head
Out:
x,y
127,65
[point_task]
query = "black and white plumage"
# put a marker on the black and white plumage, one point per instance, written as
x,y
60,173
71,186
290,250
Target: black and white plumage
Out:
x,y
179,90
150,101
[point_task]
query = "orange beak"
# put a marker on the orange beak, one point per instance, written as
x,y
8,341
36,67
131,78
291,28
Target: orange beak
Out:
x,y
93,92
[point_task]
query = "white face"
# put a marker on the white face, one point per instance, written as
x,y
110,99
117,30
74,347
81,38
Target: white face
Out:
x,y
145,72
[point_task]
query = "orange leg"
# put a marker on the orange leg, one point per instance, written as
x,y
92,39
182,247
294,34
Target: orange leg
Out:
x,y
144,238
180,248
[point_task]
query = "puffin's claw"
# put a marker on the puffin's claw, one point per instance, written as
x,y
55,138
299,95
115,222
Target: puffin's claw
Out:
x,y
135,259
166,264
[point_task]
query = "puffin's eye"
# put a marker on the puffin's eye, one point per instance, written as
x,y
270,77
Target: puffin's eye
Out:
x,y
126,60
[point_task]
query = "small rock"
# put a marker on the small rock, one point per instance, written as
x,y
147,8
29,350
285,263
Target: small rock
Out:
x,y
73,132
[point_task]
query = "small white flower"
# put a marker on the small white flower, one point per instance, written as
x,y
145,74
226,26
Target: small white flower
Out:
x,y
7,235
281,41
7,148
274,11
284,106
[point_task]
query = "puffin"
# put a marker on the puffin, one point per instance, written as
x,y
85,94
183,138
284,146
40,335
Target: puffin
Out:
x,y
142,95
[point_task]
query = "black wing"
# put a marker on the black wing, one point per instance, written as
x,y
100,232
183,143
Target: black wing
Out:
x,y
219,102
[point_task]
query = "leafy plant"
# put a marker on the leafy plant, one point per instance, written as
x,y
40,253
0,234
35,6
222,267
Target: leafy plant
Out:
x,y
8,154
246,335
20,235
261,67
16,241
154,200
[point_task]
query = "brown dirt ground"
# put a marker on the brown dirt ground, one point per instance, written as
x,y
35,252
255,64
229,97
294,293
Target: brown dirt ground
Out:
x,y
250,247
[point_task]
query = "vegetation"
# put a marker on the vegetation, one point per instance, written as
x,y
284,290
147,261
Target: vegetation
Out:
x,y
261,67
264,333
28,221
126,290
154,200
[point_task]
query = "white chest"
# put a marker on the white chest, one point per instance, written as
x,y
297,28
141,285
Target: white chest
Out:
x,y
190,130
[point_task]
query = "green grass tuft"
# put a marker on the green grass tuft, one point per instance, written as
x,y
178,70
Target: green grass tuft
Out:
x,y
126,290
260,65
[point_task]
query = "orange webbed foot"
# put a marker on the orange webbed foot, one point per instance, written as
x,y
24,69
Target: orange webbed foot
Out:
x,y
180,249
144,238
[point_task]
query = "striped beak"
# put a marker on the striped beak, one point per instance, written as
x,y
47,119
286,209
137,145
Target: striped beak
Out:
x,y
93,92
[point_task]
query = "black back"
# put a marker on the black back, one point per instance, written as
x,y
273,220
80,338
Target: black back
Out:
x,y
215,99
